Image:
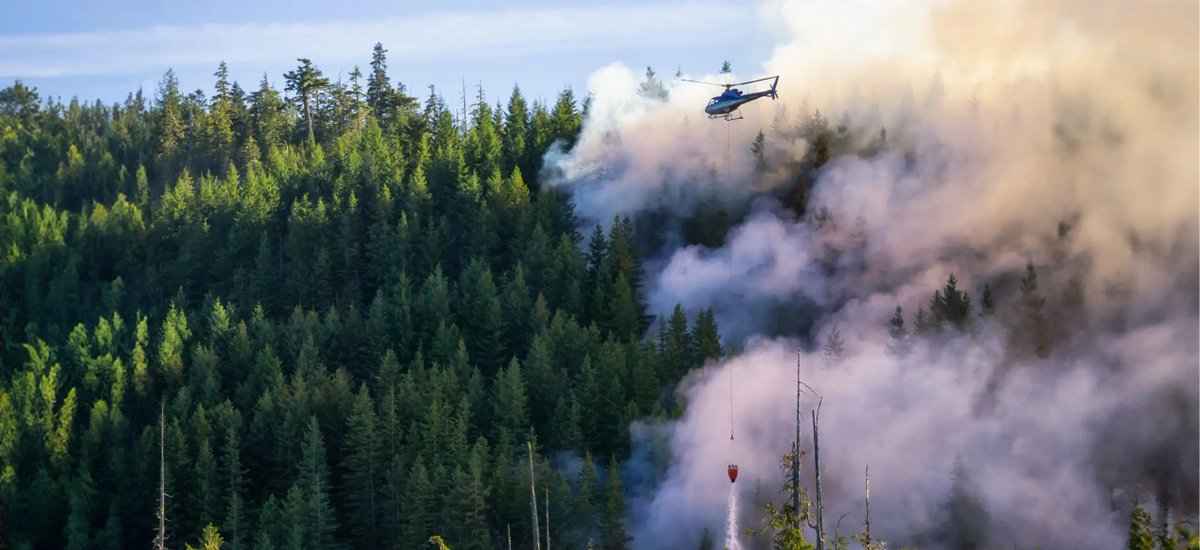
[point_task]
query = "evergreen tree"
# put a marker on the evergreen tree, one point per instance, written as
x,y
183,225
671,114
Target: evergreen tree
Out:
x,y
966,521
898,344
361,471
706,337
267,116
308,82
1141,534
417,507
590,495
651,87
481,316
318,513
1032,329
565,120
510,405
987,304
515,136
758,148
835,347
210,539
612,527
235,523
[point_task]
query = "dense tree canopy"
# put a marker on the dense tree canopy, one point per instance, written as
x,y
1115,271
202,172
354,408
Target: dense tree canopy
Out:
x,y
352,308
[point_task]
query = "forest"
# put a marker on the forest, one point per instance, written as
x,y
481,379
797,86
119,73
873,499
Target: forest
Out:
x,y
337,315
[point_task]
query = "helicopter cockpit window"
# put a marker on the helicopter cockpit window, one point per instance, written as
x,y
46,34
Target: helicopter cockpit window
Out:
x,y
714,100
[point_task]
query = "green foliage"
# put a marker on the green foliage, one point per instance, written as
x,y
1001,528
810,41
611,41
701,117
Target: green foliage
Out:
x,y
1141,535
350,309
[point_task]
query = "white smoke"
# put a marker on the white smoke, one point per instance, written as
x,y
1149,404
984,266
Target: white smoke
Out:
x,y
1061,134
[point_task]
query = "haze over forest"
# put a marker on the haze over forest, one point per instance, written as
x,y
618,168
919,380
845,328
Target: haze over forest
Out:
x,y
346,313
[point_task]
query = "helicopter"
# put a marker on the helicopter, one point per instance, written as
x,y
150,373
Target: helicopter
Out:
x,y
725,105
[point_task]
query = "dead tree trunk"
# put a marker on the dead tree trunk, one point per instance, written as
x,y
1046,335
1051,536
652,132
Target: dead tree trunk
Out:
x,y
867,543
817,475
537,533
160,540
796,450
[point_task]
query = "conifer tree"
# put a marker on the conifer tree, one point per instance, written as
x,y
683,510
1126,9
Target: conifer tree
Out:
x,y
1141,534
612,527
835,347
898,344
1032,318
651,87
361,471
706,337
416,507
987,303
235,523
308,82
318,513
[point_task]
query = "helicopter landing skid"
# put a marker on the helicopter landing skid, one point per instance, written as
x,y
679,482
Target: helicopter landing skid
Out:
x,y
736,115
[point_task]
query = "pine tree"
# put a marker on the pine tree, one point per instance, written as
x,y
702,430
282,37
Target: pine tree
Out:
x,y
417,507
205,492
612,526
987,304
467,507
1141,534
235,487
678,347
171,125
267,116
319,514
480,315
706,337
966,521
210,539
624,315
510,404
361,472
835,347
759,148
899,344
516,133
565,120
379,87
308,82
590,496
651,87
1032,318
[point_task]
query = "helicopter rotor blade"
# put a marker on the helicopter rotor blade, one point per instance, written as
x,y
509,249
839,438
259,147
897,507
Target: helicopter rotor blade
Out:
x,y
756,80
709,83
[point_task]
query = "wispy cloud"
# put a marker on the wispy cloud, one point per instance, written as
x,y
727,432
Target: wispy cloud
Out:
x,y
446,35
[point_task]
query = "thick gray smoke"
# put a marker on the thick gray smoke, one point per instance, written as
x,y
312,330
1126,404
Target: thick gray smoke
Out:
x,y
1065,135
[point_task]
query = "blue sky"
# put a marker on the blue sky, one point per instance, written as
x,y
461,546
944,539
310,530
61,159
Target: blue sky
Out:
x,y
104,50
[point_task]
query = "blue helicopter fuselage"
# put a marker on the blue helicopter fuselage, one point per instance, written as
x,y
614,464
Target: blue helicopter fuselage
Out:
x,y
731,99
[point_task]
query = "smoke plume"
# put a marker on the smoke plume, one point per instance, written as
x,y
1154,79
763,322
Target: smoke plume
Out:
x,y
960,137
